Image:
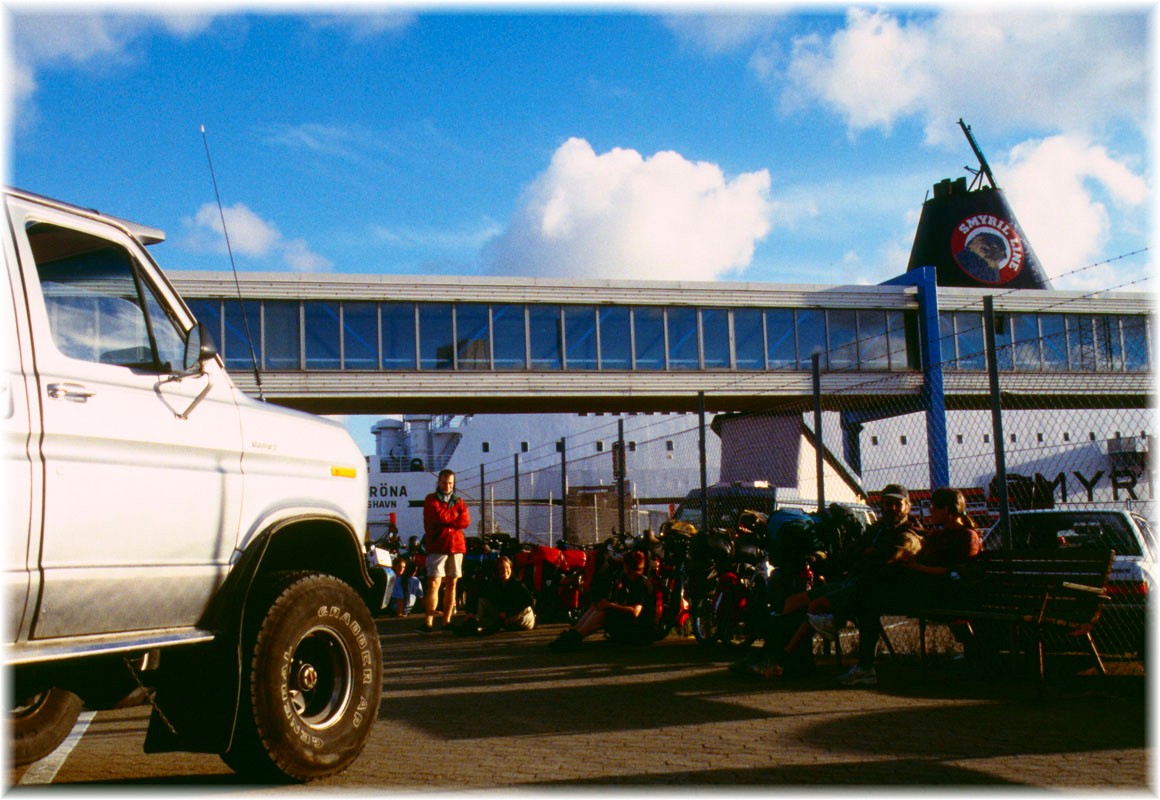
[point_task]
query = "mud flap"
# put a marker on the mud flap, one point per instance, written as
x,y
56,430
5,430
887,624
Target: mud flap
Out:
x,y
195,702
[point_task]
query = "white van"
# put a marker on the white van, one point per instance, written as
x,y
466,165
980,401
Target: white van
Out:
x,y
168,536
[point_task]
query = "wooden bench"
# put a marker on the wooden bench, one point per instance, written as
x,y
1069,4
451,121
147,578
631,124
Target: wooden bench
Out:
x,y
1033,591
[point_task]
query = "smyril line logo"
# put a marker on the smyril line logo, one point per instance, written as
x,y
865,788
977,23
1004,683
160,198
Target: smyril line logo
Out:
x,y
988,248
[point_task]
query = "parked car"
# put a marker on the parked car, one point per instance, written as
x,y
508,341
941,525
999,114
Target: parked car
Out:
x,y
1124,623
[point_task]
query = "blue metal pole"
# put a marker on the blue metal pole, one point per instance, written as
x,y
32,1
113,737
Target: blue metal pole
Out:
x,y
932,383
934,400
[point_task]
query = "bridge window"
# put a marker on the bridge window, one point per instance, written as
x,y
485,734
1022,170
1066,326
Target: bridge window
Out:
x,y
322,334
648,328
239,321
435,336
748,338
509,337
1054,341
873,350
1135,343
544,335
1081,354
781,333
1109,347
842,325
472,336
1004,349
1025,333
282,330
580,337
399,349
615,337
681,323
715,338
969,351
811,332
209,314
360,336
903,349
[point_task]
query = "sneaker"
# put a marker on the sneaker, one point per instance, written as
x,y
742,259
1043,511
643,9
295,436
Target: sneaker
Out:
x,y
765,670
425,628
859,676
823,624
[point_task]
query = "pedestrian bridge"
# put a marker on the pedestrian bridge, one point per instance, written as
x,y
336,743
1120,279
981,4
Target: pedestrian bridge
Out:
x,y
380,344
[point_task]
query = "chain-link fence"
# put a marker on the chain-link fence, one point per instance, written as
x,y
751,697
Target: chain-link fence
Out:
x,y
1025,412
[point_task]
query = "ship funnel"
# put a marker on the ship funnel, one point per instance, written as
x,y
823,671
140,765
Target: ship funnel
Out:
x,y
971,237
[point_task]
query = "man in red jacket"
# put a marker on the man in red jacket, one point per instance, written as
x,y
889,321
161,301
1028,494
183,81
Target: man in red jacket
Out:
x,y
445,517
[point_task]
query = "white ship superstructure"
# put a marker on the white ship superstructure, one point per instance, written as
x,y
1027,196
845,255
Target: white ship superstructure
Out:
x,y
1076,456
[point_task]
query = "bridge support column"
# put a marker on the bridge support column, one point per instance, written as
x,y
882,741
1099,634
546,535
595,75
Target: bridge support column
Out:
x,y
934,401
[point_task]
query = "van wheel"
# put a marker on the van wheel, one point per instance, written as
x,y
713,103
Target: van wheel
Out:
x,y
41,722
312,684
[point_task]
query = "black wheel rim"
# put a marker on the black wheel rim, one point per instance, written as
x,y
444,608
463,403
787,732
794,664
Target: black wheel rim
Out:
x,y
321,678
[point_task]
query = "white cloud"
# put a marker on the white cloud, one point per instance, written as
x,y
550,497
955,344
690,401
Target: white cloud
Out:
x,y
721,32
1054,70
462,240
360,27
336,141
251,236
621,215
1060,188
90,41
300,258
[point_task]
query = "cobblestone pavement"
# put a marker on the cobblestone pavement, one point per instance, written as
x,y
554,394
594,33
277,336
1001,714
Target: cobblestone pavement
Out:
x,y
505,712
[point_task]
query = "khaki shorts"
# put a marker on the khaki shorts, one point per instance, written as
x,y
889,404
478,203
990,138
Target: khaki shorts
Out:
x,y
440,565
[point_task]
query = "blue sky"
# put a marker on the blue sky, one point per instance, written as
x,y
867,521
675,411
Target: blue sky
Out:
x,y
761,144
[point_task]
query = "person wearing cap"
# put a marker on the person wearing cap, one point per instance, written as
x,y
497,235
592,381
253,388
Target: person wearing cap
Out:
x,y
894,537
622,613
929,576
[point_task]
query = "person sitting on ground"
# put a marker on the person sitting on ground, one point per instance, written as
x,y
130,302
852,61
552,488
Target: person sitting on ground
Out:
x,y
626,613
893,537
929,577
408,589
504,604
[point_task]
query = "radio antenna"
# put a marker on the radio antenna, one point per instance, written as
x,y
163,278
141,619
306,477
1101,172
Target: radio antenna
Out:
x,y
233,266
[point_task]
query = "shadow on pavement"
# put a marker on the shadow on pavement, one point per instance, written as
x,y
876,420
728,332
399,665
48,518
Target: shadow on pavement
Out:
x,y
911,773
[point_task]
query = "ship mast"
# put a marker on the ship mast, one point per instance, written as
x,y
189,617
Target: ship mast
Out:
x,y
984,168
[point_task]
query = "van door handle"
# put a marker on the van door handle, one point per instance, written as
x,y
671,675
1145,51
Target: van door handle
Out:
x,y
74,392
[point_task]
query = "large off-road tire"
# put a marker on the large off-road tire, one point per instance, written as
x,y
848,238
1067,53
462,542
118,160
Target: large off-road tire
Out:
x,y
311,684
41,722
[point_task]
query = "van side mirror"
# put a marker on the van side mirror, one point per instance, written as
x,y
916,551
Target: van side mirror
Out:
x,y
199,348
